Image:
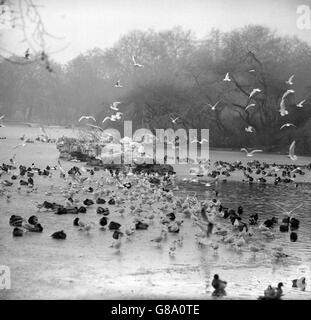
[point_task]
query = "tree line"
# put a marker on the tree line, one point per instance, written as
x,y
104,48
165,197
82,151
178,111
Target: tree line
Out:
x,y
182,76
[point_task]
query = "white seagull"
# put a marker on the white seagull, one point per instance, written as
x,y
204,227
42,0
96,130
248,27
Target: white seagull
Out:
x,y
254,91
282,110
287,125
135,63
250,105
2,116
118,84
291,153
174,120
227,78
300,104
250,154
112,118
252,70
87,118
213,107
290,80
114,105
117,115
249,129
200,142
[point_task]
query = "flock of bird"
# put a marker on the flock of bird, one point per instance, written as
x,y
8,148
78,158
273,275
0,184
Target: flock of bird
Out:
x,y
151,203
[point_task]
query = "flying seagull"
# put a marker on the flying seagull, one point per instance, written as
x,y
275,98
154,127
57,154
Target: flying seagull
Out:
x,y
174,120
213,107
250,154
200,142
287,125
250,105
291,153
112,118
252,70
114,105
282,110
227,78
117,115
290,80
300,104
254,92
87,118
118,84
135,63
2,116
249,129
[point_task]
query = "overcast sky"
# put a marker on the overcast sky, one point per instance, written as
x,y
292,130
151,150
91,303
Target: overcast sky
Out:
x,y
85,24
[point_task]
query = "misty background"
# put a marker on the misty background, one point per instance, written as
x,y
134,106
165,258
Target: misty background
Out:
x,y
186,49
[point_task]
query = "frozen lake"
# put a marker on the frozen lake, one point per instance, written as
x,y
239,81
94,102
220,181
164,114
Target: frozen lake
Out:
x,y
85,267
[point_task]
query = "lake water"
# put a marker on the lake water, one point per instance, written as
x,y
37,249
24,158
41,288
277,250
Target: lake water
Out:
x,y
85,267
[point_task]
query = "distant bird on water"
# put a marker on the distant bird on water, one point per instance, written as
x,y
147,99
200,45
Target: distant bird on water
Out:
x,y
300,283
118,84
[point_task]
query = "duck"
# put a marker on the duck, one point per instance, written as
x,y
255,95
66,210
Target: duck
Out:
x,y
103,221
218,284
88,202
82,209
141,226
17,232
114,225
273,293
59,235
293,237
100,201
300,283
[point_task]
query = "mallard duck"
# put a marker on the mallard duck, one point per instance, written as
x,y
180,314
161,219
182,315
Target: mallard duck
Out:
x,y
17,232
59,235
218,284
273,293
300,283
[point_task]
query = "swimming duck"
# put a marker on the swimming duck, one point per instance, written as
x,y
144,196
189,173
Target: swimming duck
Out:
x,y
103,221
16,221
82,209
17,232
76,222
114,225
111,201
300,283
273,293
88,202
141,226
218,284
293,236
100,201
59,235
